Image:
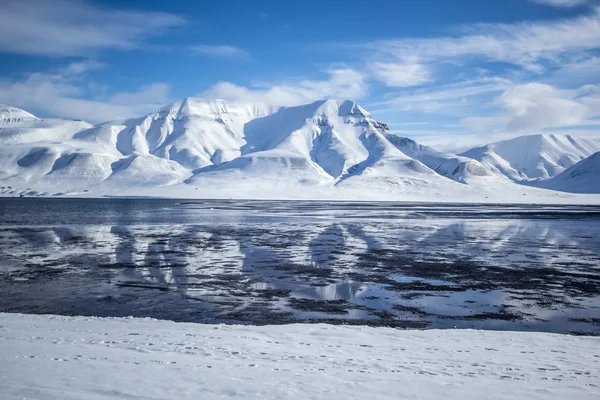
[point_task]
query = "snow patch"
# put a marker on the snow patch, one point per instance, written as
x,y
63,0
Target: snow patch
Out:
x,y
47,356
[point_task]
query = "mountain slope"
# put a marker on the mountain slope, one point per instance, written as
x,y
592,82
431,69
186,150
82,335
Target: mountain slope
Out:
x,y
534,157
44,153
13,114
458,168
39,130
207,143
33,149
326,142
583,177
194,133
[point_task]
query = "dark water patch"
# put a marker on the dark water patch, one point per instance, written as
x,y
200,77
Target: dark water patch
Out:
x,y
379,264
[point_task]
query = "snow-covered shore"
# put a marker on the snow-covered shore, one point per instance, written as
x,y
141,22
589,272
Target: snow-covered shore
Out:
x,y
55,357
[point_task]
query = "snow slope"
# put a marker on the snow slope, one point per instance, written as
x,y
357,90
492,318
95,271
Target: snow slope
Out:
x,y
55,357
533,157
583,177
455,167
13,114
216,149
194,133
34,149
50,154
323,143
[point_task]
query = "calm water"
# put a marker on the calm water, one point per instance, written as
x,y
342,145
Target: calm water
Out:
x,y
391,264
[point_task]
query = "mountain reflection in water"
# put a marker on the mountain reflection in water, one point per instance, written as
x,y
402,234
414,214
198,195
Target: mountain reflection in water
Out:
x,y
414,266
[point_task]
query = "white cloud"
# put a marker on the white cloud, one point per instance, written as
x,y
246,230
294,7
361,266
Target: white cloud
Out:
x,y
343,83
535,106
147,96
442,97
524,44
81,67
561,3
76,27
444,140
62,94
400,75
562,52
222,51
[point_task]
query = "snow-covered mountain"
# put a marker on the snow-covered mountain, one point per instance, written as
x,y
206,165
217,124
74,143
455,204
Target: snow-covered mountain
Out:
x,y
193,133
533,157
214,148
323,143
13,114
583,177
455,167
32,148
325,140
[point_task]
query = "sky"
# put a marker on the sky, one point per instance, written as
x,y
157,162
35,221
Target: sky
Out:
x,y
444,72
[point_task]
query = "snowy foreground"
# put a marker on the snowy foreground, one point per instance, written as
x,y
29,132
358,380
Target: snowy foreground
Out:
x,y
55,357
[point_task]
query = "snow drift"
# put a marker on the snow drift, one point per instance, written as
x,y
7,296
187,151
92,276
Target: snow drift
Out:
x,y
84,357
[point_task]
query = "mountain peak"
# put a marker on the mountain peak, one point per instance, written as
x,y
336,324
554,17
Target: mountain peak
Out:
x,y
341,108
325,145
533,157
215,108
13,114
207,107
582,177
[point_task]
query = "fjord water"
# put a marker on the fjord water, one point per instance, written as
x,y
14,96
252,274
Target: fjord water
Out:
x,y
410,265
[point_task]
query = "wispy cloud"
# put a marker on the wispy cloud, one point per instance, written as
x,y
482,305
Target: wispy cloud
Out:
x,y
576,73
64,93
342,83
442,97
221,51
494,78
524,44
535,106
81,67
76,27
561,3
400,75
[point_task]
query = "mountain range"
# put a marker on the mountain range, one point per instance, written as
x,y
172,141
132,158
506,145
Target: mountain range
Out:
x,y
326,149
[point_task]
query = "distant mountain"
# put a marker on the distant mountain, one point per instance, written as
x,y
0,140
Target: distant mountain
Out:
x,y
450,165
213,148
33,149
534,157
13,114
583,177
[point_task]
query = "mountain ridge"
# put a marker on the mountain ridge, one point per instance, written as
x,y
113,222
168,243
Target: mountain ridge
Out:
x,y
14,114
533,157
583,177
326,147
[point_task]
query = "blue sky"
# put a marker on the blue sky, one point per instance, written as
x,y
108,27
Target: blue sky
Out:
x,y
440,71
